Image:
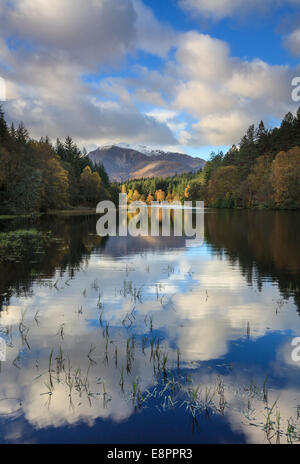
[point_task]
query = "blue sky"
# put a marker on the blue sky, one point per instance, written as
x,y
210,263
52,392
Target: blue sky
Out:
x,y
182,75
252,35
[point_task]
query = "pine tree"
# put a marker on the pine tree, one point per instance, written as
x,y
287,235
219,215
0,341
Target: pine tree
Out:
x,y
4,132
22,135
296,131
285,134
12,131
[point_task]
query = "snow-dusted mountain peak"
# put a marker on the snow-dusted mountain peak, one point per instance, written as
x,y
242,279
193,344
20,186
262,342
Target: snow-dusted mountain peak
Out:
x,y
148,151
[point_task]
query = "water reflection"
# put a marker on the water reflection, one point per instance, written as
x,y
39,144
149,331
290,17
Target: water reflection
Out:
x,y
104,332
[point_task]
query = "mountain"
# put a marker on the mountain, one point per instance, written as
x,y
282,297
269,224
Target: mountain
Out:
x,y
123,162
140,148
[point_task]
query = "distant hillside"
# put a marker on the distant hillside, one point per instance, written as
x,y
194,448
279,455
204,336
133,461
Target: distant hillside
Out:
x,y
123,162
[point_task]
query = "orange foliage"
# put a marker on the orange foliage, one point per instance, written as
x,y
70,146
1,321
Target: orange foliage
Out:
x,y
285,178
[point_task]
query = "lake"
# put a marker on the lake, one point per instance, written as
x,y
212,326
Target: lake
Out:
x,y
146,340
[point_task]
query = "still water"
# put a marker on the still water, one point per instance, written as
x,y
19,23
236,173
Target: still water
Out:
x,y
145,340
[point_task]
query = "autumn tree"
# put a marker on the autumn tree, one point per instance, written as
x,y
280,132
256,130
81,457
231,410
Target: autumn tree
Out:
x,y
150,198
197,191
129,195
90,184
187,192
259,182
136,196
170,197
160,195
285,179
222,187
54,192
37,176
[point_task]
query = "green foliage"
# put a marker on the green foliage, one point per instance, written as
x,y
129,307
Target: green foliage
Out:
x,y
173,187
20,243
90,185
285,178
222,188
37,176
262,172
267,165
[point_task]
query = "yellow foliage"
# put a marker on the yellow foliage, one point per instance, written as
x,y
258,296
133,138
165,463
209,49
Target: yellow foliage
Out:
x,y
90,183
187,192
136,196
285,178
160,195
150,198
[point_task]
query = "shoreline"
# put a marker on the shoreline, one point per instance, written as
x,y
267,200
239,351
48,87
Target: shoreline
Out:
x,y
92,211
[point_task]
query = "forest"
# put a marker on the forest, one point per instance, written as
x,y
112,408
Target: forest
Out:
x,y
36,176
263,171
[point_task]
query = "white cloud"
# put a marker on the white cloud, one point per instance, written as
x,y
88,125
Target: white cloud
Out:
x,y
90,121
219,9
220,129
201,327
226,94
152,35
163,114
62,41
203,57
292,41
201,98
173,121
88,32
202,95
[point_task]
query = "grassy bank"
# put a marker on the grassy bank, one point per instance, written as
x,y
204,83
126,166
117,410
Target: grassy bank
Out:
x,y
21,243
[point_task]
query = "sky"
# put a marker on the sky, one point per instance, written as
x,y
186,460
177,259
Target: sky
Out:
x,y
181,75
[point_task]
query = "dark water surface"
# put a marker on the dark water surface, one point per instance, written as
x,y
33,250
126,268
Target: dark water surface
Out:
x,y
145,340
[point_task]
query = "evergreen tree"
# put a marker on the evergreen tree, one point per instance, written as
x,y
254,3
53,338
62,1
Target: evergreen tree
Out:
x,y
4,132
